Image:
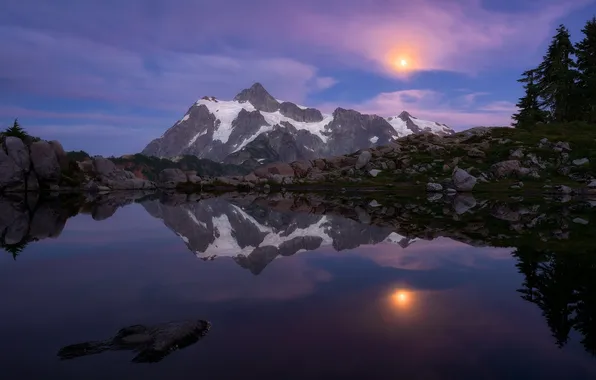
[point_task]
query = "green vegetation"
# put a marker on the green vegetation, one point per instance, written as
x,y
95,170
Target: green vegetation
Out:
x,y
561,89
80,155
151,166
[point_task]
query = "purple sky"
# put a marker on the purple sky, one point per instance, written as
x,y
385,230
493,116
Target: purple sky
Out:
x,y
108,76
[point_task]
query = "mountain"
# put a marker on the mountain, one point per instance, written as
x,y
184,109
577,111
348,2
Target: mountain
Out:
x,y
255,128
254,236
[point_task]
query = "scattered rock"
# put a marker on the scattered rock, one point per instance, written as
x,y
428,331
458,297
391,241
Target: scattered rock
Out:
x,y
562,146
170,178
374,203
580,221
516,154
363,159
374,172
462,180
506,168
434,187
474,152
580,162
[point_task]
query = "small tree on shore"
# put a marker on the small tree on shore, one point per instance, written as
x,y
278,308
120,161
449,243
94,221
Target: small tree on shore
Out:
x,y
530,112
16,130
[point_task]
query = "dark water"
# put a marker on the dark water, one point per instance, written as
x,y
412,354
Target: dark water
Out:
x,y
303,288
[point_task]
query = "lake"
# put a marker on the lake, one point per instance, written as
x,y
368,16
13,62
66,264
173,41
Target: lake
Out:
x,y
302,287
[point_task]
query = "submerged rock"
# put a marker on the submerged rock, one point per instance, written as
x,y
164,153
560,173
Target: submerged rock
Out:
x,y
153,343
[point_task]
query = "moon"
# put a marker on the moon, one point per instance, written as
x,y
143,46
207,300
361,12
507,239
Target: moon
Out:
x,y
403,63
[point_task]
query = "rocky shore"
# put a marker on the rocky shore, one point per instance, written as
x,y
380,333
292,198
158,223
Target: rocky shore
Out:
x,y
477,160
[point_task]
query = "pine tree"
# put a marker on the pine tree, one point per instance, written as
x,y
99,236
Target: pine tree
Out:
x,y
529,107
16,130
555,79
586,65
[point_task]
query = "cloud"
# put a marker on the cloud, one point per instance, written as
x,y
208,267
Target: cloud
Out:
x,y
458,36
462,111
73,67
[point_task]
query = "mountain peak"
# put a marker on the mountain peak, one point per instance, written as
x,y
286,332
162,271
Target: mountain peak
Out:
x,y
258,97
404,115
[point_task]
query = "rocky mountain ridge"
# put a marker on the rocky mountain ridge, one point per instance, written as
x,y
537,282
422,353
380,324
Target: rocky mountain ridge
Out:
x,y
256,128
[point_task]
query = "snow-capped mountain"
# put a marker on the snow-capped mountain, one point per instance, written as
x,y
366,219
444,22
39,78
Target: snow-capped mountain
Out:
x,y
255,126
254,236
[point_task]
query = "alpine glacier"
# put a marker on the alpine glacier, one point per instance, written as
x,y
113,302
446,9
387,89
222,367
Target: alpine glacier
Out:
x,y
256,128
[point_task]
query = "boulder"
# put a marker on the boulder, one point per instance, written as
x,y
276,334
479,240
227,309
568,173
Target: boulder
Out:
x,y
477,153
434,187
592,185
251,178
18,152
562,146
506,168
374,172
301,168
60,154
170,178
279,168
319,164
363,159
103,166
10,173
45,163
462,180
516,154
580,162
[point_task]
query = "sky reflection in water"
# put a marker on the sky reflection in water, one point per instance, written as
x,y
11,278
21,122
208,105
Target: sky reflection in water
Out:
x,y
436,309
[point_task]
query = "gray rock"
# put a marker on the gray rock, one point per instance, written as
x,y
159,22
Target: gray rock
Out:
x,y
592,185
477,153
506,168
462,203
301,168
580,221
60,154
434,197
433,187
11,174
581,162
45,163
374,172
170,178
103,166
374,203
516,154
462,180
562,146
363,159
18,152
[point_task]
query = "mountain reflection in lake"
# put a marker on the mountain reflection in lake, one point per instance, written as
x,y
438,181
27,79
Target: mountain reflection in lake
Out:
x,y
302,287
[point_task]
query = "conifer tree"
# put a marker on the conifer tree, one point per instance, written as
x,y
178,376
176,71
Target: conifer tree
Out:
x,y
529,108
555,79
16,130
586,65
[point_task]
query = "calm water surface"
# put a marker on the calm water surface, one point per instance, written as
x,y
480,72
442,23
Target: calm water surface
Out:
x,y
295,289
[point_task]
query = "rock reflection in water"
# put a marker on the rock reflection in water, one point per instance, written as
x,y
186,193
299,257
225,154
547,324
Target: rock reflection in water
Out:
x,y
152,343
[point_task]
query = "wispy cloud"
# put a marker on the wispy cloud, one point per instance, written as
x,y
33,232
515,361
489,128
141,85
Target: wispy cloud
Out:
x,y
74,67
